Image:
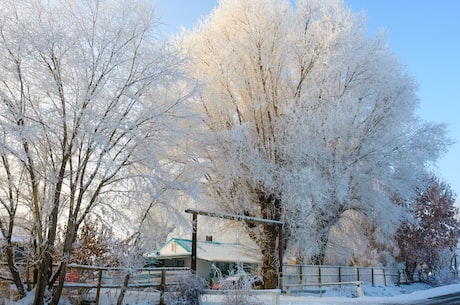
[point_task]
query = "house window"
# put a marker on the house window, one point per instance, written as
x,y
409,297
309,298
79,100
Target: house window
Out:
x,y
223,267
180,263
173,247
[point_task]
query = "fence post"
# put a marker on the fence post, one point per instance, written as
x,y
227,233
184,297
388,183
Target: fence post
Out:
x,y
99,283
357,273
194,241
340,276
276,297
359,289
162,286
320,281
300,274
372,275
319,275
384,277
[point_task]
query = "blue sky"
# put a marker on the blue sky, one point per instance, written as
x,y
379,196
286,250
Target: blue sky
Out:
x,y
423,34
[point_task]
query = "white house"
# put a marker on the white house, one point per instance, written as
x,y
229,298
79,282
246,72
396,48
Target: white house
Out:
x,y
176,252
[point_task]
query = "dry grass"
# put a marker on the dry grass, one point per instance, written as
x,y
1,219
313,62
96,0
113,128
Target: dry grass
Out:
x,y
5,291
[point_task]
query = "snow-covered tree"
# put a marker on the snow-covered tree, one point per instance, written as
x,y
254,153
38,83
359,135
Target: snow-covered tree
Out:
x,y
310,121
432,229
90,105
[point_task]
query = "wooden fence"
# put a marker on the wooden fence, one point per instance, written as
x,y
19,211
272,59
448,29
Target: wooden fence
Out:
x,y
81,278
85,278
310,275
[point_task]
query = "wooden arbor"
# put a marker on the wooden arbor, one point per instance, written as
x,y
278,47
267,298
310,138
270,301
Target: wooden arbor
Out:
x,y
235,217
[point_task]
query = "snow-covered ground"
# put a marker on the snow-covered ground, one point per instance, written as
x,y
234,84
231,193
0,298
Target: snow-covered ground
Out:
x,y
375,295
372,295
342,296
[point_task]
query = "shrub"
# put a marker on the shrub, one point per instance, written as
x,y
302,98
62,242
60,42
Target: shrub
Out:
x,y
186,291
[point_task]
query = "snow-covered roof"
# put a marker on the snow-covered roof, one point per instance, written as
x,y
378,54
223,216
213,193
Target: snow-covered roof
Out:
x,y
209,251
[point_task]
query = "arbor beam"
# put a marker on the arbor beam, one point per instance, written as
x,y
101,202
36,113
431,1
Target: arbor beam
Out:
x,y
234,217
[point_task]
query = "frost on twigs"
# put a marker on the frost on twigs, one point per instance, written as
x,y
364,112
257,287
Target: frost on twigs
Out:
x,y
237,286
186,290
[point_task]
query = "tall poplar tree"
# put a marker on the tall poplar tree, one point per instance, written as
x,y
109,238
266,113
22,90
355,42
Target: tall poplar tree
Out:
x,y
310,121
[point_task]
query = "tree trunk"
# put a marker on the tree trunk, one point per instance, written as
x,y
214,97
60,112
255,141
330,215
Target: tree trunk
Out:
x,y
410,270
267,237
61,272
121,296
47,260
270,262
327,220
43,278
72,228
14,271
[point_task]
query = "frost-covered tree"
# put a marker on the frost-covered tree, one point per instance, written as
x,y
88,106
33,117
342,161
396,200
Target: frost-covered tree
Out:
x,y
90,106
432,228
310,121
